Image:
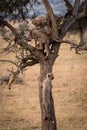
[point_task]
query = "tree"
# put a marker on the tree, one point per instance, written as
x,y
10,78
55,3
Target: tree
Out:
x,y
44,53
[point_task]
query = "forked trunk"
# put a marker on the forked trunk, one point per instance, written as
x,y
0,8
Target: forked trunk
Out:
x,y
47,124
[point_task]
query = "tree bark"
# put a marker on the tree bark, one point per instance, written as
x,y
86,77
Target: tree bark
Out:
x,y
52,18
47,124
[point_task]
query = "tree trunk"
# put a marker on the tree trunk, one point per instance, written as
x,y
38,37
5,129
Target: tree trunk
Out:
x,y
47,124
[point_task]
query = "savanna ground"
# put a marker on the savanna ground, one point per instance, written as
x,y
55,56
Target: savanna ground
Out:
x,y
19,107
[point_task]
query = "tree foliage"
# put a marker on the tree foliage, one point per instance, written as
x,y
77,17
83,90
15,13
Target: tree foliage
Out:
x,y
16,9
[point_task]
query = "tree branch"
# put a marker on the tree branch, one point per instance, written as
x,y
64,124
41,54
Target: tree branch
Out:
x,y
52,18
19,39
22,66
69,42
68,6
70,21
76,8
27,61
72,44
5,23
12,62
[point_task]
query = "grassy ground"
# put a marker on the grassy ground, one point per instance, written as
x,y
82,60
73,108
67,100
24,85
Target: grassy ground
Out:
x,y
19,107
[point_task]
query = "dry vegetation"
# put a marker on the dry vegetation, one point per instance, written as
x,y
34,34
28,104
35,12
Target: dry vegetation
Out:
x,y
19,107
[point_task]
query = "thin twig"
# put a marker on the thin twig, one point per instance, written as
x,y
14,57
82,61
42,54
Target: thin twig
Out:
x,y
12,62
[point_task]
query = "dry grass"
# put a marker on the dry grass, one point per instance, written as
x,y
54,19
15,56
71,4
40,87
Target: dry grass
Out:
x,y
19,107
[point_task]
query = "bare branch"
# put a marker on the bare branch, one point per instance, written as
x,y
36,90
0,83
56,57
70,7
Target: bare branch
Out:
x,y
12,62
77,47
67,23
19,39
76,7
27,58
68,6
69,42
21,68
52,18
30,63
5,23
25,62
84,12
85,7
